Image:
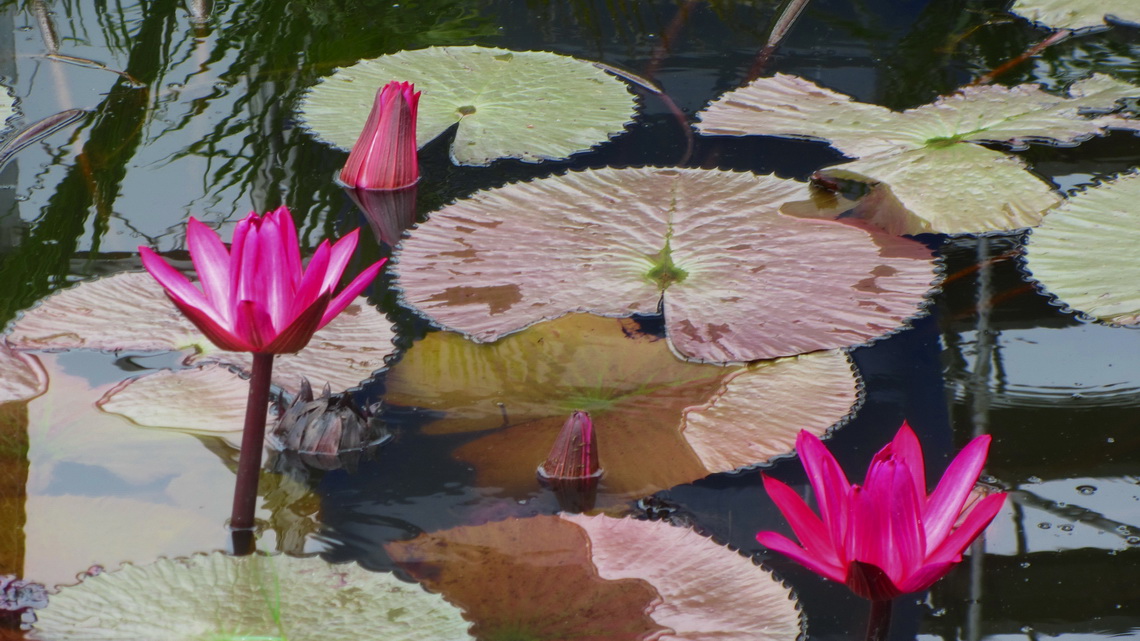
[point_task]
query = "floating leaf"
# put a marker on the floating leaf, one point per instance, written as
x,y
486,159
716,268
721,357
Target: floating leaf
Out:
x,y
739,281
943,182
130,311
1077,14
1084,252
659,421
246,598
208,399
23,377
599,579
530,105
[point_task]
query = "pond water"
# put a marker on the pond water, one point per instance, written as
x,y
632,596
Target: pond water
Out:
x,y
206,126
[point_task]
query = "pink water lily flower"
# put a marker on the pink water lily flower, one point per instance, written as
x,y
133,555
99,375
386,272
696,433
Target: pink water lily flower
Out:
x,y
255,296
887,537
384,156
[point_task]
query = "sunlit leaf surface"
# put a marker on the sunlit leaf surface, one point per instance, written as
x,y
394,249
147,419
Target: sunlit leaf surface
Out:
x,y
530,105
209,399
130,312
926,155
659,420
23,377
1077,14
7,107
138,493
599,579
740,281
1085,251
247,598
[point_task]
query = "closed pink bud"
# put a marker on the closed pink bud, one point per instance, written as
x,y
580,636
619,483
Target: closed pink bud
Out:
x,y
384,156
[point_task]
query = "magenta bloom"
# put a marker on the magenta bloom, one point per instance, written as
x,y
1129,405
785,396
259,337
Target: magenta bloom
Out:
x,y
256,297
887,537
384,156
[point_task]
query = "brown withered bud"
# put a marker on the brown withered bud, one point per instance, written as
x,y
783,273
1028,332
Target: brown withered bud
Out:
x,y
572,469
327,432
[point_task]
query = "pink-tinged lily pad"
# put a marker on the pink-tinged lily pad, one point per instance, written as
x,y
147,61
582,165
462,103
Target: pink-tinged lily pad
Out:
x,y
210,399
1085,251
659,421
599,579
248,598
1077,14
23,377
130,312
939,179
738,281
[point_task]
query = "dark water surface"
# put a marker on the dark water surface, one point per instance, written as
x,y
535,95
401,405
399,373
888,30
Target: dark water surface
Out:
x,y
207,128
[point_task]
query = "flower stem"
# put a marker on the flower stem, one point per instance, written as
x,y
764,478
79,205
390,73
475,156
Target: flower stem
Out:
x,y
879,621
249,461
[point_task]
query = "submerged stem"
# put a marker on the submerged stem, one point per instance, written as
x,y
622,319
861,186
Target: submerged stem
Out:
x,y
879,621
249,461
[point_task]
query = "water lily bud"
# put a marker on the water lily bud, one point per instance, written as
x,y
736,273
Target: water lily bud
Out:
x,y
572,469
322,429
384,156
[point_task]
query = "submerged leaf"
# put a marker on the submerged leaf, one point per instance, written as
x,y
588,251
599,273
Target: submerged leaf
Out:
x,y
1099,223
1077,14
659,421
599,579
246,598
530,105
740,281
927,155
130,312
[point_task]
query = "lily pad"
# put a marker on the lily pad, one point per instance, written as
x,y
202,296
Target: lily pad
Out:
x,y
1099,222
7,107
1077,14
737,280
23,378
928,156
530,105
130,312
599,579
245,598
659,421
210,399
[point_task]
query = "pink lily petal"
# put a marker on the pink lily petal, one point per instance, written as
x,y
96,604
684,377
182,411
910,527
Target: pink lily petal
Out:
x,y
212,263
946,501
297,335
906,447
925,576
870,582
350,292
951,549
907,533
237,253
273,268
312,282
290,247
176,284
828,481
218,335
253,324
339,255
807,526
781,544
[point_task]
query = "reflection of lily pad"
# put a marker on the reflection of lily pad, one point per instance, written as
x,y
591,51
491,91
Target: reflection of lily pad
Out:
x,y
130,312
23,376
599,579
530,105
660,421
927,156
245,598
1077,14
739,281
1085,251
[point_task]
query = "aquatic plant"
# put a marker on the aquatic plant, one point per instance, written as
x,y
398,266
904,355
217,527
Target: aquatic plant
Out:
x,y
384,156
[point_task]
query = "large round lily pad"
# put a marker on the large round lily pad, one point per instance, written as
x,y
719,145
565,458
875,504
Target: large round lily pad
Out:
x,y
599,579
659,421
130,312
739,281
938,179
24,378
530,105
225,598
1077,14
1085,251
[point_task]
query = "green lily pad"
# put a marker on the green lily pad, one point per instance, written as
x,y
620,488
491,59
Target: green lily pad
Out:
x,y
737,280
1084,252
939,180
130,312
530,105
225,598
659,421
1077,14
599,579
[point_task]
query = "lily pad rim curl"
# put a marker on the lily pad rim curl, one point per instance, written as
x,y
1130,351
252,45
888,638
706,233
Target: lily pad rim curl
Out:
x,y
637,102
923,308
